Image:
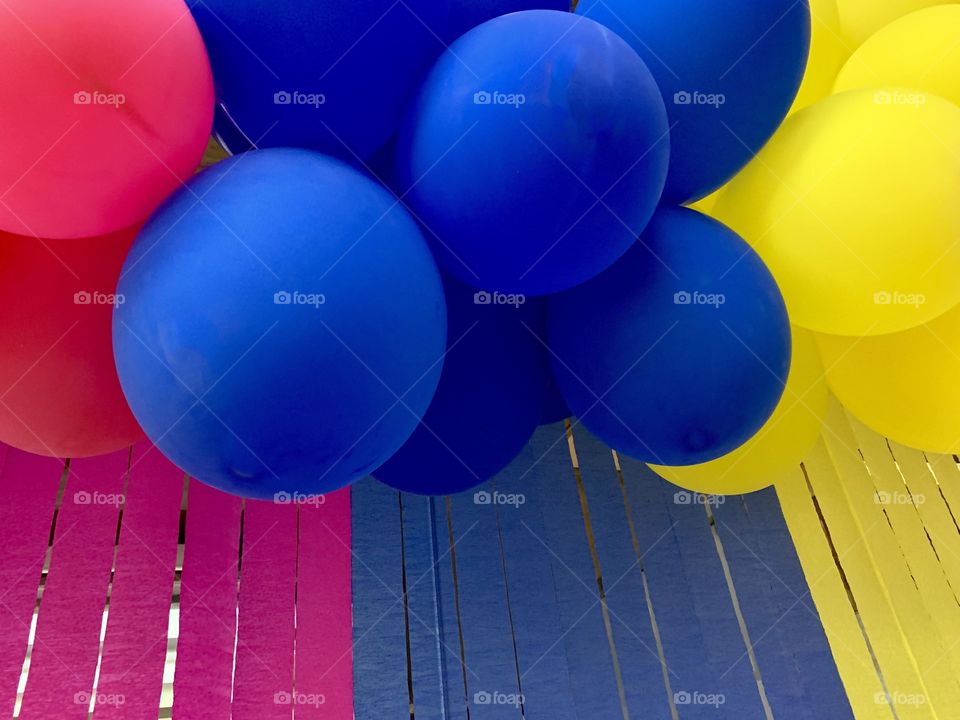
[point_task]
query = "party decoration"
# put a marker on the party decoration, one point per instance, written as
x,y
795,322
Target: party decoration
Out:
x,y
828,52
489,399
862,18
535,152
467,14
287,333
728,71
107,109
677,354
554,406
853,207
326,75
780,445
59,394
903,385
919,51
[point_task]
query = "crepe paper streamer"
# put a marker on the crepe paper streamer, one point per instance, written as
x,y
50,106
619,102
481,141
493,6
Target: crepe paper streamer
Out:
x,y
724,653
263,680
933,509
420,554
113,108
840,623
324,657
803,634
646,692
492,683
203,681
379,636
67,641
534,605
796,666
680,632
899,502
451,664
552,487
883,565
28,493
135,645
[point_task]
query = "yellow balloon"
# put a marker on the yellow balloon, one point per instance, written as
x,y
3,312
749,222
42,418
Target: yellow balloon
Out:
x,y
828,51
862,18
855,207
779,445
706,204
921,50
905,385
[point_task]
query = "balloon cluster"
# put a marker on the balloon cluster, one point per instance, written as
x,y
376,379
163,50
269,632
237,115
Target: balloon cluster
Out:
x,y
444,222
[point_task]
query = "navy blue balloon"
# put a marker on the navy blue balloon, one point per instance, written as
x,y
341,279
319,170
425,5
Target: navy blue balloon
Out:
x,y
554,406
535,152
729,72
489,400
283,326
679,353
328,75
467,14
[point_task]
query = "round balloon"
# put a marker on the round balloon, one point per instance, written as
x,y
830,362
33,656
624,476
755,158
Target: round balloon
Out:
x,y
903,385
59,393
920,51
828,52
862,18
467,14
284,334
327,75
535,152
780,445
489,399
853,205
728,72
108,110
678,354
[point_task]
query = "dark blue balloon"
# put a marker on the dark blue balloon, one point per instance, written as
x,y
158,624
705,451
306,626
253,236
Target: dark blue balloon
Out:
x,y
554,406
729,71
535,152
489,400
323,74
283,326
678,353
467,14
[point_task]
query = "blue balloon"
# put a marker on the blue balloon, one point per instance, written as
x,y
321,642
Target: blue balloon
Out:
x,y
535,152
327,75
467,14
490,396
283,326
227,134
554,406
729,72
679,353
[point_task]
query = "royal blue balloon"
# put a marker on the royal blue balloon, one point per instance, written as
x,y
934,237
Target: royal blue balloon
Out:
x,y
729,71
323,74
283,326
535,152
489,400
467,14
678,353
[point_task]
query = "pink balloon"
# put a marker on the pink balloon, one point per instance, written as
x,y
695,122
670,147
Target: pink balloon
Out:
x,y
105,109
